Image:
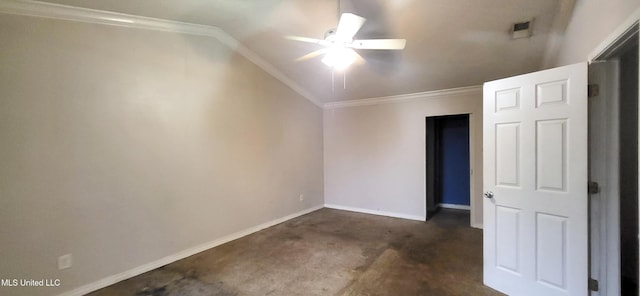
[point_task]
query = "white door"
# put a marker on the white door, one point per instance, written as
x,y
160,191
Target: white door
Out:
x,y
535,183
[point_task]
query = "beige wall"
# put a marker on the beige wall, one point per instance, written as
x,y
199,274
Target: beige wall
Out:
x,y
375,155
591,23
123,146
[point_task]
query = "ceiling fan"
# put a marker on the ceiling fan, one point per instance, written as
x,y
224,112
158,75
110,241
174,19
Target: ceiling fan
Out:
x,y
339,44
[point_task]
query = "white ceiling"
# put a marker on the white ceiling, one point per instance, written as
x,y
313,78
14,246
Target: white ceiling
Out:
x,y
449,43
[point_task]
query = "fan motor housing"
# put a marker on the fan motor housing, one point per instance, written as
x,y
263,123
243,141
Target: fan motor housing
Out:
x,y
330,34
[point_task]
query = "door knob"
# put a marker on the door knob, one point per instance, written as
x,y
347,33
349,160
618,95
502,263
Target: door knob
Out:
x,y
488,194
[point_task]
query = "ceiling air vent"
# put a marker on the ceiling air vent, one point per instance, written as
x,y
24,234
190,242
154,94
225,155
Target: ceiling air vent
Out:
x,y
521,30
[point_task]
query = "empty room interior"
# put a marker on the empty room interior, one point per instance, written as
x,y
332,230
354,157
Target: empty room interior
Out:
x,y
324,147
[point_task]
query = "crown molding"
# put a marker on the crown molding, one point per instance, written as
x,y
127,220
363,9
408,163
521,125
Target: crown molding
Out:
x,y
266,66
86,15
406,97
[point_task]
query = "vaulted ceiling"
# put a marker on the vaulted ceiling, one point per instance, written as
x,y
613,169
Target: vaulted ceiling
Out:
x,y
450,44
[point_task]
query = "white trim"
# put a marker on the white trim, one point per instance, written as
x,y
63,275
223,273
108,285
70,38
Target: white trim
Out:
x,y
604,169
454,206
110,280
405,97
472,187
612,39
266,66
472,138
374,212
609,219
86,15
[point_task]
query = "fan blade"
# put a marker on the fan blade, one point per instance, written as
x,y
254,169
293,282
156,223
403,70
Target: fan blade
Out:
x,y
348,26
394,44
312,54
359,59
309,40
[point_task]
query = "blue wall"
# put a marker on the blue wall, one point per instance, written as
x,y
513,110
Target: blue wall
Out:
x,y
454,166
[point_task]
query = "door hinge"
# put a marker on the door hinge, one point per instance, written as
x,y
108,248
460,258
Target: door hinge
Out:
x,y
593,285
593,90
593,187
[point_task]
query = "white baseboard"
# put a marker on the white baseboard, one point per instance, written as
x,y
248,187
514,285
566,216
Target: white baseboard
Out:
x,y
110,280
374,212
454,206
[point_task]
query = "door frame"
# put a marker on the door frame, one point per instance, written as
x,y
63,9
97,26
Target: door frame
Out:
x,y
604,166
469,148
472,158
605,49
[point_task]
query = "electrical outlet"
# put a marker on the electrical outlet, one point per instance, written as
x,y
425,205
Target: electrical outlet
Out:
x,y
301,197
65,261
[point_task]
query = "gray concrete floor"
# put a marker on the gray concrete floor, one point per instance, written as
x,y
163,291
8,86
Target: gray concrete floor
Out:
x,y
331,252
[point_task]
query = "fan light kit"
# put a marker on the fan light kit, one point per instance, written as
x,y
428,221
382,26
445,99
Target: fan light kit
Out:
x,y
339,57
339,43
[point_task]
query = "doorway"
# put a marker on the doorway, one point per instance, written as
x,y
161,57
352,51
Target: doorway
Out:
x,y
613,167
447,163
